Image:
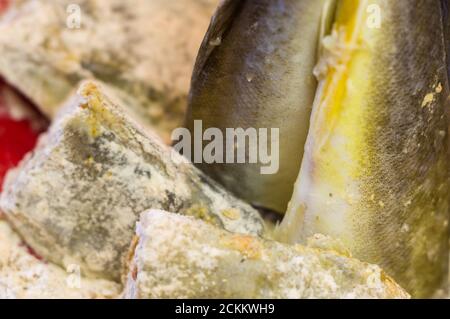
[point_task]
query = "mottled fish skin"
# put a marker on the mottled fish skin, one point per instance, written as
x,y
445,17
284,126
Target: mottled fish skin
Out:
x,y
45,56
255,70
446,23
77,197
375,169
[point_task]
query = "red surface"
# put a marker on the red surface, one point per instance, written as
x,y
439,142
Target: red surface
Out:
x,y
3,5
32,252
16,139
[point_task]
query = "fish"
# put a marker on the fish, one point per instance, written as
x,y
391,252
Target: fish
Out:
x,y
75,199
374,172
255,70
176,256
48,47
446,23
24,276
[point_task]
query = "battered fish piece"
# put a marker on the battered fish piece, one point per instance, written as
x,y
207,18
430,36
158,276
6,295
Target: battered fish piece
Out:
x,y
143,49
255,70
77,197
180,257
23,276
375,168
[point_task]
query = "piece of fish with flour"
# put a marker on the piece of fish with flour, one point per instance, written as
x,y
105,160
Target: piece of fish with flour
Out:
x,y
23,276
181,257
144,49
76,198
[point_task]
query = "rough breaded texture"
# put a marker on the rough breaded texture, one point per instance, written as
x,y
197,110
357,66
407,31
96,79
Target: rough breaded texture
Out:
x,y
182,257
143,49
76,198
23,276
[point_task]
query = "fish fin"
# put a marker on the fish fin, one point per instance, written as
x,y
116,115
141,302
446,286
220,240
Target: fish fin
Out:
x,y
326,23
220,23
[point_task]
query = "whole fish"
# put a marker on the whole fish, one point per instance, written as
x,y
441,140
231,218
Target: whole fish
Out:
x,y
375,168
255,70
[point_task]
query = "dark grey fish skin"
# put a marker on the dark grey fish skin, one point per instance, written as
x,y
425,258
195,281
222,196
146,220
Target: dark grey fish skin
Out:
x,y
255,70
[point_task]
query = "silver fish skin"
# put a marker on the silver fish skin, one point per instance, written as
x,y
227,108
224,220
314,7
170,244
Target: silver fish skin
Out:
x,y
375,168
255,70
77,197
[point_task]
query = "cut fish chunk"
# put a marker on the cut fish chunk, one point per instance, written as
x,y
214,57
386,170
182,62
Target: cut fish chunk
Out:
x,y
143,49
76,198
181,257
